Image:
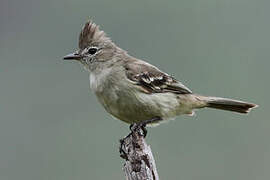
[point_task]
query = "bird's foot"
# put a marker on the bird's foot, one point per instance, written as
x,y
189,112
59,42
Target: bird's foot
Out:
x,y
142,125
140,129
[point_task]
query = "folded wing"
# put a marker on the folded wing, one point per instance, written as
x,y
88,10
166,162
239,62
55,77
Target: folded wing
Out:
x,y
152,80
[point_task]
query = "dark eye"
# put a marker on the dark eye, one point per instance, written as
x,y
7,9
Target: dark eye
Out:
x,y
92,50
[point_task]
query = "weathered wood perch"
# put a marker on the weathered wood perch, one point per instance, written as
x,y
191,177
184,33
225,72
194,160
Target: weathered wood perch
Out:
x,y
140,163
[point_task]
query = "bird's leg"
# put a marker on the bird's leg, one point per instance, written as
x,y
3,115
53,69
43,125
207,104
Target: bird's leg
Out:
x,y
135,127
142,125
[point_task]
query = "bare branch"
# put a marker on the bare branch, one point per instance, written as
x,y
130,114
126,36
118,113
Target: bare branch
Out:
x,y
140,163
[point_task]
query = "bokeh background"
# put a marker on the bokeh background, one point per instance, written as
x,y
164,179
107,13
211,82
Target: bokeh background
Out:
x,y
53,128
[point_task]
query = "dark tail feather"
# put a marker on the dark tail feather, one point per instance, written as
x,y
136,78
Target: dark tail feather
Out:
x,y
229,104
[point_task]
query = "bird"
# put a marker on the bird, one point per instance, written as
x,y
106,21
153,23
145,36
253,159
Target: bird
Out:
x,y
134,91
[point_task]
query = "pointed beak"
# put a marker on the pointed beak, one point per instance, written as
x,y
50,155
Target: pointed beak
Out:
x,y
72,56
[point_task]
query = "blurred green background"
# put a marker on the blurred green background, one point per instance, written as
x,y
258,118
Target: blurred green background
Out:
x,y
53,128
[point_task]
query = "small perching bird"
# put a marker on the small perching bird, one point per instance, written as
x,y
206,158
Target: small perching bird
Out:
x,y
135,91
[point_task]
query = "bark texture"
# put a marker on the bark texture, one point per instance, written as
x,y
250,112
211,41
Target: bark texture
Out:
x,y
140,163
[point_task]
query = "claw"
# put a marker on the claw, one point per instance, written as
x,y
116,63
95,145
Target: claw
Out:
x,y
140,128
142,125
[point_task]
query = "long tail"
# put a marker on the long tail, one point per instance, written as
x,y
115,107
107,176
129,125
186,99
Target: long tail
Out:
x,y
226,104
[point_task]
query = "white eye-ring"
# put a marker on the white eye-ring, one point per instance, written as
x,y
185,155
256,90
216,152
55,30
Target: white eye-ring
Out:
x,y
92,50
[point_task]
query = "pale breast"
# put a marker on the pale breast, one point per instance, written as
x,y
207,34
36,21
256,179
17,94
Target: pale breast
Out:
x,y
126,102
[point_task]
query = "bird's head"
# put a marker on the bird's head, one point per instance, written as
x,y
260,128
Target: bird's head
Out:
x,y
94,47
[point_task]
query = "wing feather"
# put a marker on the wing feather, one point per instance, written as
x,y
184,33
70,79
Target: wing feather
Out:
x,y
152,80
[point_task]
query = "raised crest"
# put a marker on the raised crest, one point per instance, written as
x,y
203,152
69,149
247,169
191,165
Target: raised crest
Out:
x,y
90,34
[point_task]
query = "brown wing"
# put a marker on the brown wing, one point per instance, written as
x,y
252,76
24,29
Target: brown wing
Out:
x,y
152,80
